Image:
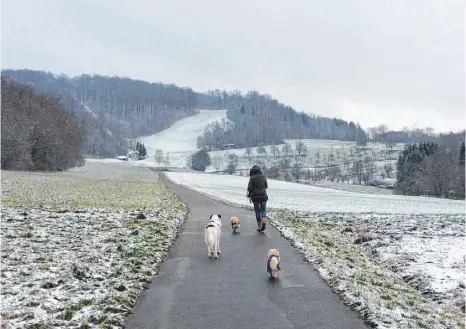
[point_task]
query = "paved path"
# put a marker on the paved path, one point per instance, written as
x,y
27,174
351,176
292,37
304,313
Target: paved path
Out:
x,y
234,291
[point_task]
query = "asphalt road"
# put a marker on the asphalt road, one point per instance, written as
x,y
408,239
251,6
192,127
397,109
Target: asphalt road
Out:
x,y
234,291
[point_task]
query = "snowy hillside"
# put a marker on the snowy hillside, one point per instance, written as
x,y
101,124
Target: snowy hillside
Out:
x,y
183,134
179,140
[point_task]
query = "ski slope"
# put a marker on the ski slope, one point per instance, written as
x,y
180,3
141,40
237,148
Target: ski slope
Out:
x,y
182,135
180,139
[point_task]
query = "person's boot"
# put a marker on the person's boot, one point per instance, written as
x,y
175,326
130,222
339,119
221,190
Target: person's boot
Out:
x,y
263,223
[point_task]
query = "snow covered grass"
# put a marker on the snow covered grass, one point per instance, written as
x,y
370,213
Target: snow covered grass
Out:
x,y
351,187
286,195
79,247
364,258
109,187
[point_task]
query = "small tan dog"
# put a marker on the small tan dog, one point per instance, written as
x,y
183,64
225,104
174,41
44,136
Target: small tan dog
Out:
x,y
273,263
235,224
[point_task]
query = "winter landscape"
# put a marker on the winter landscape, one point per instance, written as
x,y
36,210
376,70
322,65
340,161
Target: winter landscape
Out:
x,y
121,133
414,244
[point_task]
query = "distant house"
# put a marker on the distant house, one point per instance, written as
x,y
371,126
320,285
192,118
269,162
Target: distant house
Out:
x,y
228,146
133,155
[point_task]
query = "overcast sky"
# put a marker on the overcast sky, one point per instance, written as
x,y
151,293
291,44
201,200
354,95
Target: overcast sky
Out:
x,y
398,62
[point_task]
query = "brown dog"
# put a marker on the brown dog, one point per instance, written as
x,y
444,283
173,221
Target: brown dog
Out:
x,y
234,221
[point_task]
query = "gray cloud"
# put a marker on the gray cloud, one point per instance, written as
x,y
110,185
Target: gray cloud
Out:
x,y
394,62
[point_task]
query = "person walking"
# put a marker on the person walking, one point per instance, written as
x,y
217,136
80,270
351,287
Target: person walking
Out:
x,y
257,193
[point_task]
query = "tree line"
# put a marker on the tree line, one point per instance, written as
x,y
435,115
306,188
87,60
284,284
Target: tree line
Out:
x,y
431,169
255,119
117,109
37,132
382,134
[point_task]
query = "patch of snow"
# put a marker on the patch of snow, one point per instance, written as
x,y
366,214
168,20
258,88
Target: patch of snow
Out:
x,y
391,285
182,135
61,269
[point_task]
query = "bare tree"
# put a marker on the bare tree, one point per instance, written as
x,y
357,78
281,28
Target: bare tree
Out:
x,y
296,170
217,163
369,170
331,157
158,156
287,150
388,169
382,129
261,151
300,148
382,174
166,160
333,172
233,158
248,153
430,131
231,167
372,132
357,171
274,150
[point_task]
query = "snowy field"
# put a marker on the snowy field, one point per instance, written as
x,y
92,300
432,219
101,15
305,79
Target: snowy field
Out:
x,y
78,247
397,271
286,195
182,135
179,142
398,260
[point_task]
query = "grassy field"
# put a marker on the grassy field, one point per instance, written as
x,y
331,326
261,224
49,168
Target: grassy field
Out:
x,y
78,247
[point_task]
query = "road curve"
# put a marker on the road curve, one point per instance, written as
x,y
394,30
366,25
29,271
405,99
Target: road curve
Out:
x,y
192,291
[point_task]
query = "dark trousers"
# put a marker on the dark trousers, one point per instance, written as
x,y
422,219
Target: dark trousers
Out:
x,y
260,210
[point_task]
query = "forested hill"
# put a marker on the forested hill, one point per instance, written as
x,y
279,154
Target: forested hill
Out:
x,y
261,120
117,109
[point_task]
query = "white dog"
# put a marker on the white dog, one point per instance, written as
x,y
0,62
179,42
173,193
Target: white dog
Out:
x,y
213,230
273,263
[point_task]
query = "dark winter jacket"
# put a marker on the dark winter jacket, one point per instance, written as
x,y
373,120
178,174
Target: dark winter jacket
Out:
x,y
257,185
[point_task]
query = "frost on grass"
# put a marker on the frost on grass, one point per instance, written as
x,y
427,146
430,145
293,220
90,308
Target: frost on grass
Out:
x,y
75,189
81,267
292,196
397,271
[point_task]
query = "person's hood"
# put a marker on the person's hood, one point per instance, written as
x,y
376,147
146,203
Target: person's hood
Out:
x,y
255,170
